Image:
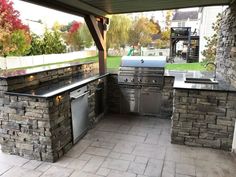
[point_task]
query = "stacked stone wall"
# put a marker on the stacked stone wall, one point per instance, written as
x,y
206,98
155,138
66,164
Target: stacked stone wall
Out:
x,y
41,128
226,50
203,118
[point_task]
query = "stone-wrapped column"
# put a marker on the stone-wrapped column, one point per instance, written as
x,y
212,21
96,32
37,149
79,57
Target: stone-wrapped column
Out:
x,y
226,50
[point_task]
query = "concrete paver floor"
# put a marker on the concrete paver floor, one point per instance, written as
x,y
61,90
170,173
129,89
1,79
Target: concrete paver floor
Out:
x,y
127,146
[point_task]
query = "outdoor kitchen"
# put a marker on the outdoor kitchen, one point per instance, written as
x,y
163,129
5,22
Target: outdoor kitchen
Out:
x,y
47,113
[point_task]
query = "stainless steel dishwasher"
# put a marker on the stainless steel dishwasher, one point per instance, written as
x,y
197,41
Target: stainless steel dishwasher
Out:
x,y
79,110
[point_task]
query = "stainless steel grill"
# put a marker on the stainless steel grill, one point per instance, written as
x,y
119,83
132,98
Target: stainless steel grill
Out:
x,y
141,76
143,71
141,80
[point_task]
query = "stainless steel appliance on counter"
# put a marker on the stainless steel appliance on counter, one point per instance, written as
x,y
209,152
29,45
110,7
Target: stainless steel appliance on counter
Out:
x,y
79,110
141,80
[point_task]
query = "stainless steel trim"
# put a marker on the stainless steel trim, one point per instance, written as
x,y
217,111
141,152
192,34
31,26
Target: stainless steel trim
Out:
x,y
91,95
75,97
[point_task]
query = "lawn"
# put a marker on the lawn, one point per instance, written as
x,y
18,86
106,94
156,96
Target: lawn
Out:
x,y
186,66
114,63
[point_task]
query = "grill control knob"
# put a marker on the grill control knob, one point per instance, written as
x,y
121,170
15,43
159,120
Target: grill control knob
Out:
x,y
126,80
132,80
140,80
154,81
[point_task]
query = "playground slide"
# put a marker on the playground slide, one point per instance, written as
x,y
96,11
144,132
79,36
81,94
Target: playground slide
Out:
x,y
130,52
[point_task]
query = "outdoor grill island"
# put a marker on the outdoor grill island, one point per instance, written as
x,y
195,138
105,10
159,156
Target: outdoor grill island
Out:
x,y
141,80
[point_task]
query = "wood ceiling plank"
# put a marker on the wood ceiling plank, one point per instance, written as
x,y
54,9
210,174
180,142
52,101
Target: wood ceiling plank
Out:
x,y
75,7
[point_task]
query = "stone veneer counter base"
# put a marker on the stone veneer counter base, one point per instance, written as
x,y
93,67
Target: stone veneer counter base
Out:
x,y
39,126
203,118
203,114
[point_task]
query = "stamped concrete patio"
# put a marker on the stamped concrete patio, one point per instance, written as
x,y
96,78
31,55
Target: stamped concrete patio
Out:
x,y
122,146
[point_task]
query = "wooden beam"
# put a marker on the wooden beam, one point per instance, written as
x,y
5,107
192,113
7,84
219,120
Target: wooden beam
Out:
x,y
85,7
102,53
96,28
95,31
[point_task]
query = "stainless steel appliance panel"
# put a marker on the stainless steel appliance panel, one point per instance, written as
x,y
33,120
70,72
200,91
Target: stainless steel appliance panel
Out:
x,y
141,80
150,101
130,100
79,109
143,61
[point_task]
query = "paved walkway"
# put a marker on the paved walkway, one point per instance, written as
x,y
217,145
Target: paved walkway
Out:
x,y
122,146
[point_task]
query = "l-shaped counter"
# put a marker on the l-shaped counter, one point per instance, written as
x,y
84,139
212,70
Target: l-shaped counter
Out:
x,y
35,112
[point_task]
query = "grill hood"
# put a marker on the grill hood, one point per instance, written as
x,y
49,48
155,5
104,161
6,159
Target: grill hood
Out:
x,y
143,61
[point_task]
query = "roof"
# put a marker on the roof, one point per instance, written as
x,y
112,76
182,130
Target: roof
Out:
x,y
185,15
105,7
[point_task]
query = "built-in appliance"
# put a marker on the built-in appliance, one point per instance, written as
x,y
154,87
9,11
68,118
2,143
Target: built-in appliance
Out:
x,y
141,80
79,110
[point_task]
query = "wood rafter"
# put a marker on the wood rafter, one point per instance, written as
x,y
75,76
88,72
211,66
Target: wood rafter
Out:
x,y
93,26
96,28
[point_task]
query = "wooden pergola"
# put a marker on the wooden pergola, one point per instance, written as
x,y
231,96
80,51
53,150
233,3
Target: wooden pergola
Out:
x,y
95,13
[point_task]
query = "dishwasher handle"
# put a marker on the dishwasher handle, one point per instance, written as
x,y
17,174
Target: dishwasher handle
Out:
x,y
75,97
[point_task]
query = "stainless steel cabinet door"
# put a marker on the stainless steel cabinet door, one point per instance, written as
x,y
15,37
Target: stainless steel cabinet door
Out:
x,y
130,100
150,101
80,120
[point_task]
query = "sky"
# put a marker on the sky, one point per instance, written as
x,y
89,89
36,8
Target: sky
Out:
x,y
48,16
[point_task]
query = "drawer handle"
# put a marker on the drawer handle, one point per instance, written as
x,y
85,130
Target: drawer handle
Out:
x,y
85,93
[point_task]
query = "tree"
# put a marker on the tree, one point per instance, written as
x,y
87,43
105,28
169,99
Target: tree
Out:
x,y
156,26
11,16
164,42
21,41
118,33
14,37
78,36
36,45
210,52
50,43
85,36
141,32
56,26
73,36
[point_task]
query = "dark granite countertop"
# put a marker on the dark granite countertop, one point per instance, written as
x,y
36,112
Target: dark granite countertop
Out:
x,y
22,72
180,77
56,87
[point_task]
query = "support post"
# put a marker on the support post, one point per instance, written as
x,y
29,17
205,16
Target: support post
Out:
x,y
97,29
189,46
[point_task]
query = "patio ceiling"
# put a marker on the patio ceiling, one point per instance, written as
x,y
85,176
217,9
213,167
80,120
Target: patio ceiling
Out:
x,y
105,7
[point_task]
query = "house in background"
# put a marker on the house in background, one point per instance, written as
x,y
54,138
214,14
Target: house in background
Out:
x,y
200,21
184,40
187,18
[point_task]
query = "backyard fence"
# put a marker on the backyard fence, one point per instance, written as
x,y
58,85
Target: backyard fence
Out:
x,y
26,61
156,52
145,52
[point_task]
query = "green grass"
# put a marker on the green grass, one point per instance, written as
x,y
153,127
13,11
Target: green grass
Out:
x,y
186,66
114,63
